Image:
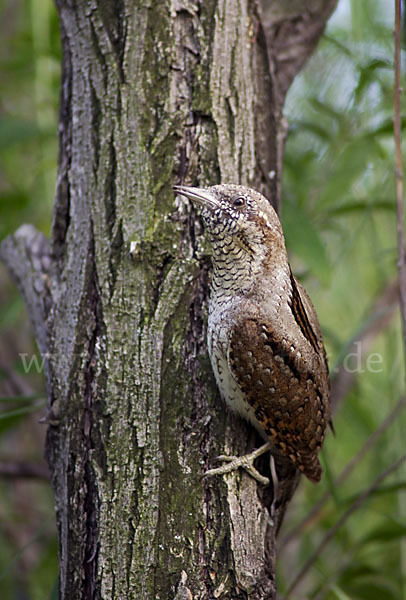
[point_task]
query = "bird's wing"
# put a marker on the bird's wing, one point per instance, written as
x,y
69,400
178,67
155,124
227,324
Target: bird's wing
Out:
x,y
301,303
286,397
306,317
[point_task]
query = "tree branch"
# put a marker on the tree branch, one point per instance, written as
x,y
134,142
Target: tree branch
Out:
x,y
399,172
23,470
310,517
26,255
293,30
354,506
380,316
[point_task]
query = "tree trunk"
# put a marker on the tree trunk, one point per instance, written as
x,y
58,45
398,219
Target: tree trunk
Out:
x,y
153,94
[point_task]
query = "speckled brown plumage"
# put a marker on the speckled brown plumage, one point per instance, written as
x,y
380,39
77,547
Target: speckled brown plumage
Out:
x,y
286,401
264,338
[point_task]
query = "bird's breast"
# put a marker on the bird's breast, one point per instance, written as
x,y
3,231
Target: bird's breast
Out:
x,y
220,325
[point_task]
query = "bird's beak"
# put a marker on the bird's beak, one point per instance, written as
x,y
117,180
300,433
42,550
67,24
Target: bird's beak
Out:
x,y
199,195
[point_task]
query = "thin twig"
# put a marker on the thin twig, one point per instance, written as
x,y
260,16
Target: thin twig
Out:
x,y
16,384
354,506
24,470
347,562
378,320
399,172
317,508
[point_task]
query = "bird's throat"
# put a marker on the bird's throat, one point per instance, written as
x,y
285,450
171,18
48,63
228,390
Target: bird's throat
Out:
x,y
235,271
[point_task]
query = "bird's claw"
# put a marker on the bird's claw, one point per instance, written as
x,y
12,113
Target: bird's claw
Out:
x,y
245,462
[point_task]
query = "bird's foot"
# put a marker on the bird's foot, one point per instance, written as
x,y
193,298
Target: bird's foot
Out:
x,y
245,462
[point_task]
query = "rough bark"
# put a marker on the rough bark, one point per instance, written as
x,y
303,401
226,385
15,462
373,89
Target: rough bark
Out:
x,y
152,94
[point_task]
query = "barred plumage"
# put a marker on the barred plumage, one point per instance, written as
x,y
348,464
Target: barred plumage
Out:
x,y
264,338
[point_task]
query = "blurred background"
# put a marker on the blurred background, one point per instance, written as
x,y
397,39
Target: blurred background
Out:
x,y
29,91
340,223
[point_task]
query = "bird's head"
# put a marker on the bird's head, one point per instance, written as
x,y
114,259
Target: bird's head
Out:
x,y
240,221
245,233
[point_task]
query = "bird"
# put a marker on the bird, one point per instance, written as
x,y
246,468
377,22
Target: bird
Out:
x,y
263,335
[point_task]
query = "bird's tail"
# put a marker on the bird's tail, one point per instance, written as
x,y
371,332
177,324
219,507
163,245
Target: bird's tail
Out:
x,y
311,467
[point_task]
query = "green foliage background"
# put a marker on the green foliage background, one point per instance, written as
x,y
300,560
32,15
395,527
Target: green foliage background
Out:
x,y
29,92
340,224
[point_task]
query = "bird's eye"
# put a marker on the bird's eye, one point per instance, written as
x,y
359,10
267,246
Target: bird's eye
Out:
x,y
239,201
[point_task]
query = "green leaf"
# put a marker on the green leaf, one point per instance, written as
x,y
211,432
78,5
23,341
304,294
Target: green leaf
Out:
x,y
11,418
385,128
21,411
21,398
349,165
339,45
311,126
386,532
303,240
359,206
339,593
367,75
390,488
357,570
375,590
327,109
384,489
